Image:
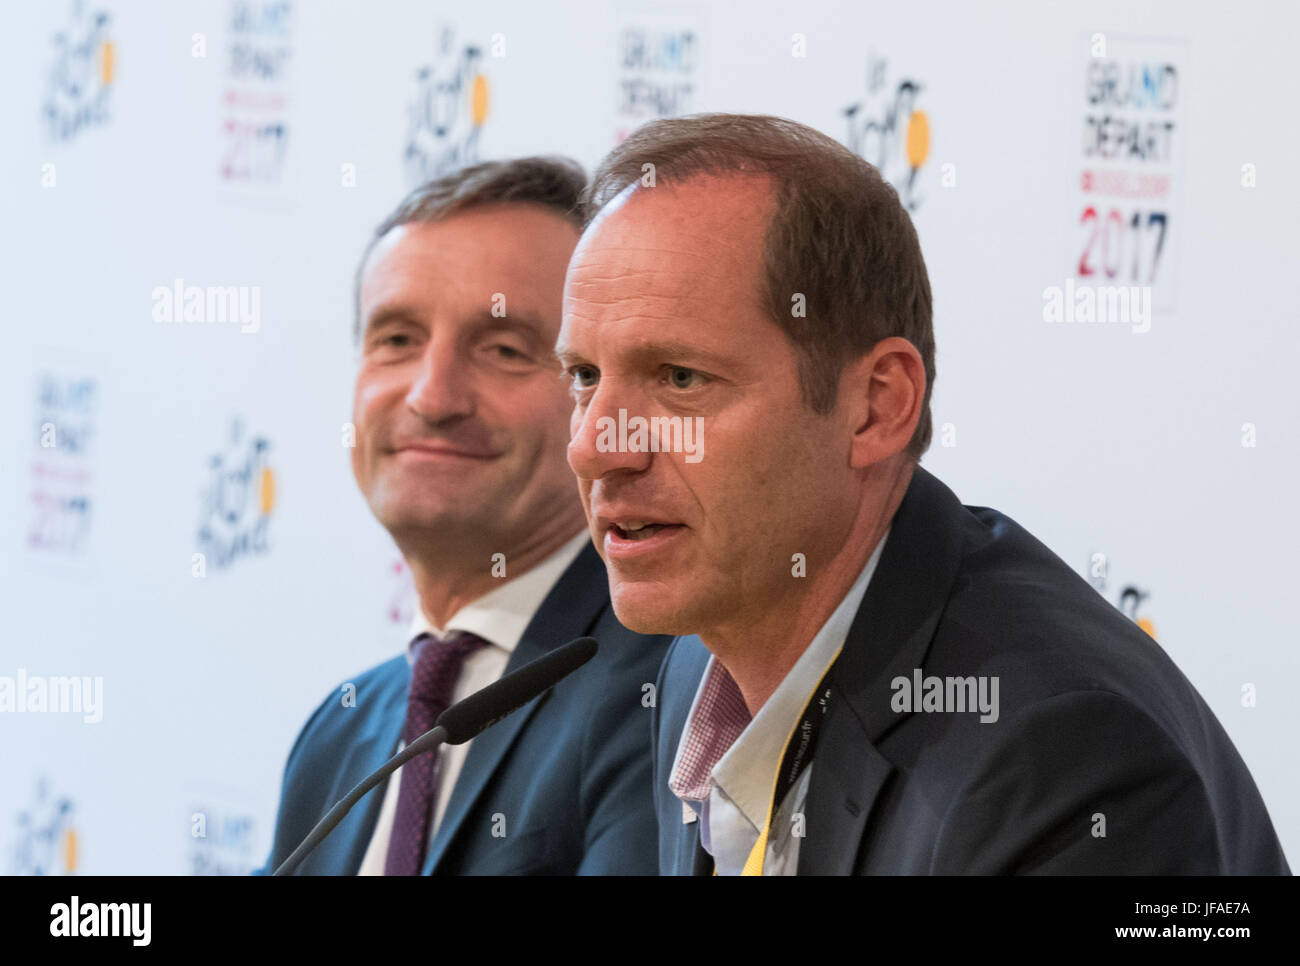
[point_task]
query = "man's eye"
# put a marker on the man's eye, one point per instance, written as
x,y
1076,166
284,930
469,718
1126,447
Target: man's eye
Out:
x,y
509,353
584,377
394,340
679,377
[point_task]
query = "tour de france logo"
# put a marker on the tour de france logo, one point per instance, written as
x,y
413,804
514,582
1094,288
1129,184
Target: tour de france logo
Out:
x,y
237,500
47,835
447,112
80,79
1131,598
888,129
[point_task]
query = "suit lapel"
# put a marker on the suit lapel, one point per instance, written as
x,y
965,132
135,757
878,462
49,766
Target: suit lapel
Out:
x,y
847,775
691,859
341,852
570,610
699,861
890,636
688,660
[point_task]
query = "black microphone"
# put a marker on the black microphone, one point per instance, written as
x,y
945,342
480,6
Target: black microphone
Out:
x,y
457,725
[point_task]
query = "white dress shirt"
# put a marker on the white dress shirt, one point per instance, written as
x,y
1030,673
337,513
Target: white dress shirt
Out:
x,y
500,618
728,789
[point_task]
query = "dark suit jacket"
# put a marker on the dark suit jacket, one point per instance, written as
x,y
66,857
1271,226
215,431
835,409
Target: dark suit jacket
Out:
x,y
1095,719
569,773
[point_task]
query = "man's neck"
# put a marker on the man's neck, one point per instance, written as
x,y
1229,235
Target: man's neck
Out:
x,y
760,648
445,583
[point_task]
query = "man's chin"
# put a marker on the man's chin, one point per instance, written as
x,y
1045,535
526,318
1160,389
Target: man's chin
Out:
x,y
424,519
649,608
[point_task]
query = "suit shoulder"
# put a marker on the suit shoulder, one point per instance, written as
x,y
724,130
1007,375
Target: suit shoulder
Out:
x,y
387,676
1018,610
1019,615
378,689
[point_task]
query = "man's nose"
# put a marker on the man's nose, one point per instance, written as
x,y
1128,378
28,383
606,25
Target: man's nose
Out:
x,y
600,433
443,387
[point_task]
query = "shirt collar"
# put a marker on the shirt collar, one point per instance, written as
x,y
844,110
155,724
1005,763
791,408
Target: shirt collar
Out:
x,y
721,745
502,615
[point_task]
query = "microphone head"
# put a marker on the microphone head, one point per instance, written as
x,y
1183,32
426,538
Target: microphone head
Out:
x,y
465,719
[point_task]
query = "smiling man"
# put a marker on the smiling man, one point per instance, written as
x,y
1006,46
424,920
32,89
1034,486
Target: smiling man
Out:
x,y
461,425
870,677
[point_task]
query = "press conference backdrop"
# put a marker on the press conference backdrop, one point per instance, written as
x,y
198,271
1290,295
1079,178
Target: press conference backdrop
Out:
x,y
1106,197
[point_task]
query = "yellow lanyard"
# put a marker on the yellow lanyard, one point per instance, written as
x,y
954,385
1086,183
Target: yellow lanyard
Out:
x,y
758,854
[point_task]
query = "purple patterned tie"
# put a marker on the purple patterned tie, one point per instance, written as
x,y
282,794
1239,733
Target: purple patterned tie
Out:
x,y
433,680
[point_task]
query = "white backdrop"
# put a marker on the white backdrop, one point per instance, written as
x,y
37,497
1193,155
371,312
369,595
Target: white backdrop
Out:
x,y
255,145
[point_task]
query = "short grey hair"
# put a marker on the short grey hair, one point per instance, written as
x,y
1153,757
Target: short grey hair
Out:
x,y
553,182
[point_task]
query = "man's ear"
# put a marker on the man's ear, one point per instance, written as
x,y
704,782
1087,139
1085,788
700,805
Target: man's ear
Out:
x,y
884,391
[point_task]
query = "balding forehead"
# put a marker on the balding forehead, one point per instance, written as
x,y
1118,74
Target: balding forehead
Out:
x,y
729,210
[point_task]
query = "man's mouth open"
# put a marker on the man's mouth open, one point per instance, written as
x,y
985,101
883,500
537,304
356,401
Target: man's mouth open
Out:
x,y
629,538
638,530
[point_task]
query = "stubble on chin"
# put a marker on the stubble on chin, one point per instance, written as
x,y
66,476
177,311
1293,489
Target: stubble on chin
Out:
x,y
645,610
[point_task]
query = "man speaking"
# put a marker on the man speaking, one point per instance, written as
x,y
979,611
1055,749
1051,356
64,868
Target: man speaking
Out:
x,y
877,679
461,426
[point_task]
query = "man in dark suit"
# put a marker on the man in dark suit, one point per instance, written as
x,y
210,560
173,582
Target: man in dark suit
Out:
x,y
871,677
461,424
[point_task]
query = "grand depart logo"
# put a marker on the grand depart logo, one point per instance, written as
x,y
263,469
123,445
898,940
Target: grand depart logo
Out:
x,y
255,102
102,919
658,69
61,490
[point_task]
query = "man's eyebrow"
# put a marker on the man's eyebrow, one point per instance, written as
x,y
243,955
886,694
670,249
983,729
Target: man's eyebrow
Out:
x,y
687,351
527,322
650,352
387,314
565,355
